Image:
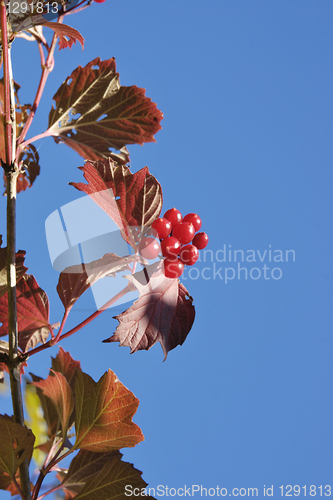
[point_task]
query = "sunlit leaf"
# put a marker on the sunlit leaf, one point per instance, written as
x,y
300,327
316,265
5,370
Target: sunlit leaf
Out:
x,y
93,113
104,411
163,313
133,201
67,35
58,390
66,365
75,280
49,410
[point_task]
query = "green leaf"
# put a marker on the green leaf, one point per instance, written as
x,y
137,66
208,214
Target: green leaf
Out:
x,y
35,421
110,116
17,444
104,411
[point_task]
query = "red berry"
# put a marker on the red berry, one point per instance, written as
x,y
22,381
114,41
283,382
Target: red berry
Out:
x,y
173,268
195,219
170,247
162,227
184,232
200,240
174,216
149,248
189,255
99,1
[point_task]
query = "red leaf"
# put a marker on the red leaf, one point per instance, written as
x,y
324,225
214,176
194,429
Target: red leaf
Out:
x,y
20,268
104,411
58,390
102,475
110,116
131,200
163,313
67,35
66,365
29,161
16,445
75,280
6,483
32,313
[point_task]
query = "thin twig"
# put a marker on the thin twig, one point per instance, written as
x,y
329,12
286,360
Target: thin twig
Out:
x,y
50,343
46,70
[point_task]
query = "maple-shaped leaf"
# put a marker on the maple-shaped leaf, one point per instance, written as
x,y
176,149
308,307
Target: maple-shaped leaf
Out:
x,y
64,364
58,390
94,476
28,160
32,313
19,267
133,201
67,35
50,412
103,414
75,280
84,466
16,445
163,313
93,113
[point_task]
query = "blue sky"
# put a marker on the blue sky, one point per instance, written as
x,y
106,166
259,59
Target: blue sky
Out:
x,y
246,92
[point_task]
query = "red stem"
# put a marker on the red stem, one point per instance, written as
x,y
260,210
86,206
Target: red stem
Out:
x,y
47,68
114,299
46,470
7,89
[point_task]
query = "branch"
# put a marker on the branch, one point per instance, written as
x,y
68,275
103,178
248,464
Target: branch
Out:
x,y
11,172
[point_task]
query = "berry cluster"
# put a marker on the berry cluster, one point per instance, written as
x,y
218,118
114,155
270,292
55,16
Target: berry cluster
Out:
x,y
180,241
